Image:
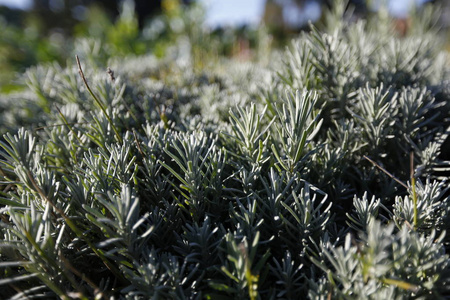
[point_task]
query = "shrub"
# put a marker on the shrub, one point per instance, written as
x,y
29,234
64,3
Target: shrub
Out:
x,y
243,181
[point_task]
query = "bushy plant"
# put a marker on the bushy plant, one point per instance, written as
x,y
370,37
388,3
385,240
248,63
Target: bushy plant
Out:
x,y
316,175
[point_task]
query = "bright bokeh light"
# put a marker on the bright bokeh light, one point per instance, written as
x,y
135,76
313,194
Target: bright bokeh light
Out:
x,y
21,4
233,12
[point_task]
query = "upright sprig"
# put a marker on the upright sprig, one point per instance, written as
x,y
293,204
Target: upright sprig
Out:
x,y
99,103
297,123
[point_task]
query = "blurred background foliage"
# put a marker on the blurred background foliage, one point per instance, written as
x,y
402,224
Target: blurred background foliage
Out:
x,y
51,30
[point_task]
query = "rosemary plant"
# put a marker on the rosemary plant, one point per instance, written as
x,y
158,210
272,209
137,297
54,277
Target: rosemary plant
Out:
x,y
155,180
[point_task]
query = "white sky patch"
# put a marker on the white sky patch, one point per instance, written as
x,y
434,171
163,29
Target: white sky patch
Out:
x,y
296,18
21,4
399,8
233,12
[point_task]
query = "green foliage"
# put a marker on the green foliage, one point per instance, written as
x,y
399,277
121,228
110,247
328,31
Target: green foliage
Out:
x,y
243,181
385,264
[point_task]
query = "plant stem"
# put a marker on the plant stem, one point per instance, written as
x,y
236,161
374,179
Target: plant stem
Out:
x,y
99,103
413,186
386,172
68,125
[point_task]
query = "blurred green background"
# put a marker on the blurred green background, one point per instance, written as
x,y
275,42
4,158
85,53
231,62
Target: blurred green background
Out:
x,y
51,31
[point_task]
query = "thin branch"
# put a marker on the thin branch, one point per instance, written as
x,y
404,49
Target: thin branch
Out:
x,y
68,125
80,275
386,172
2,172
137,143
413,186
57,125
99,103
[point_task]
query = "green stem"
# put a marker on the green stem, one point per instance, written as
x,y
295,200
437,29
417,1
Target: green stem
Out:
x,y
68,125
414,195
413,187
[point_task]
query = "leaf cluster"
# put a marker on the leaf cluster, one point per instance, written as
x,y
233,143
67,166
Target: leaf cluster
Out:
x,y
152,181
